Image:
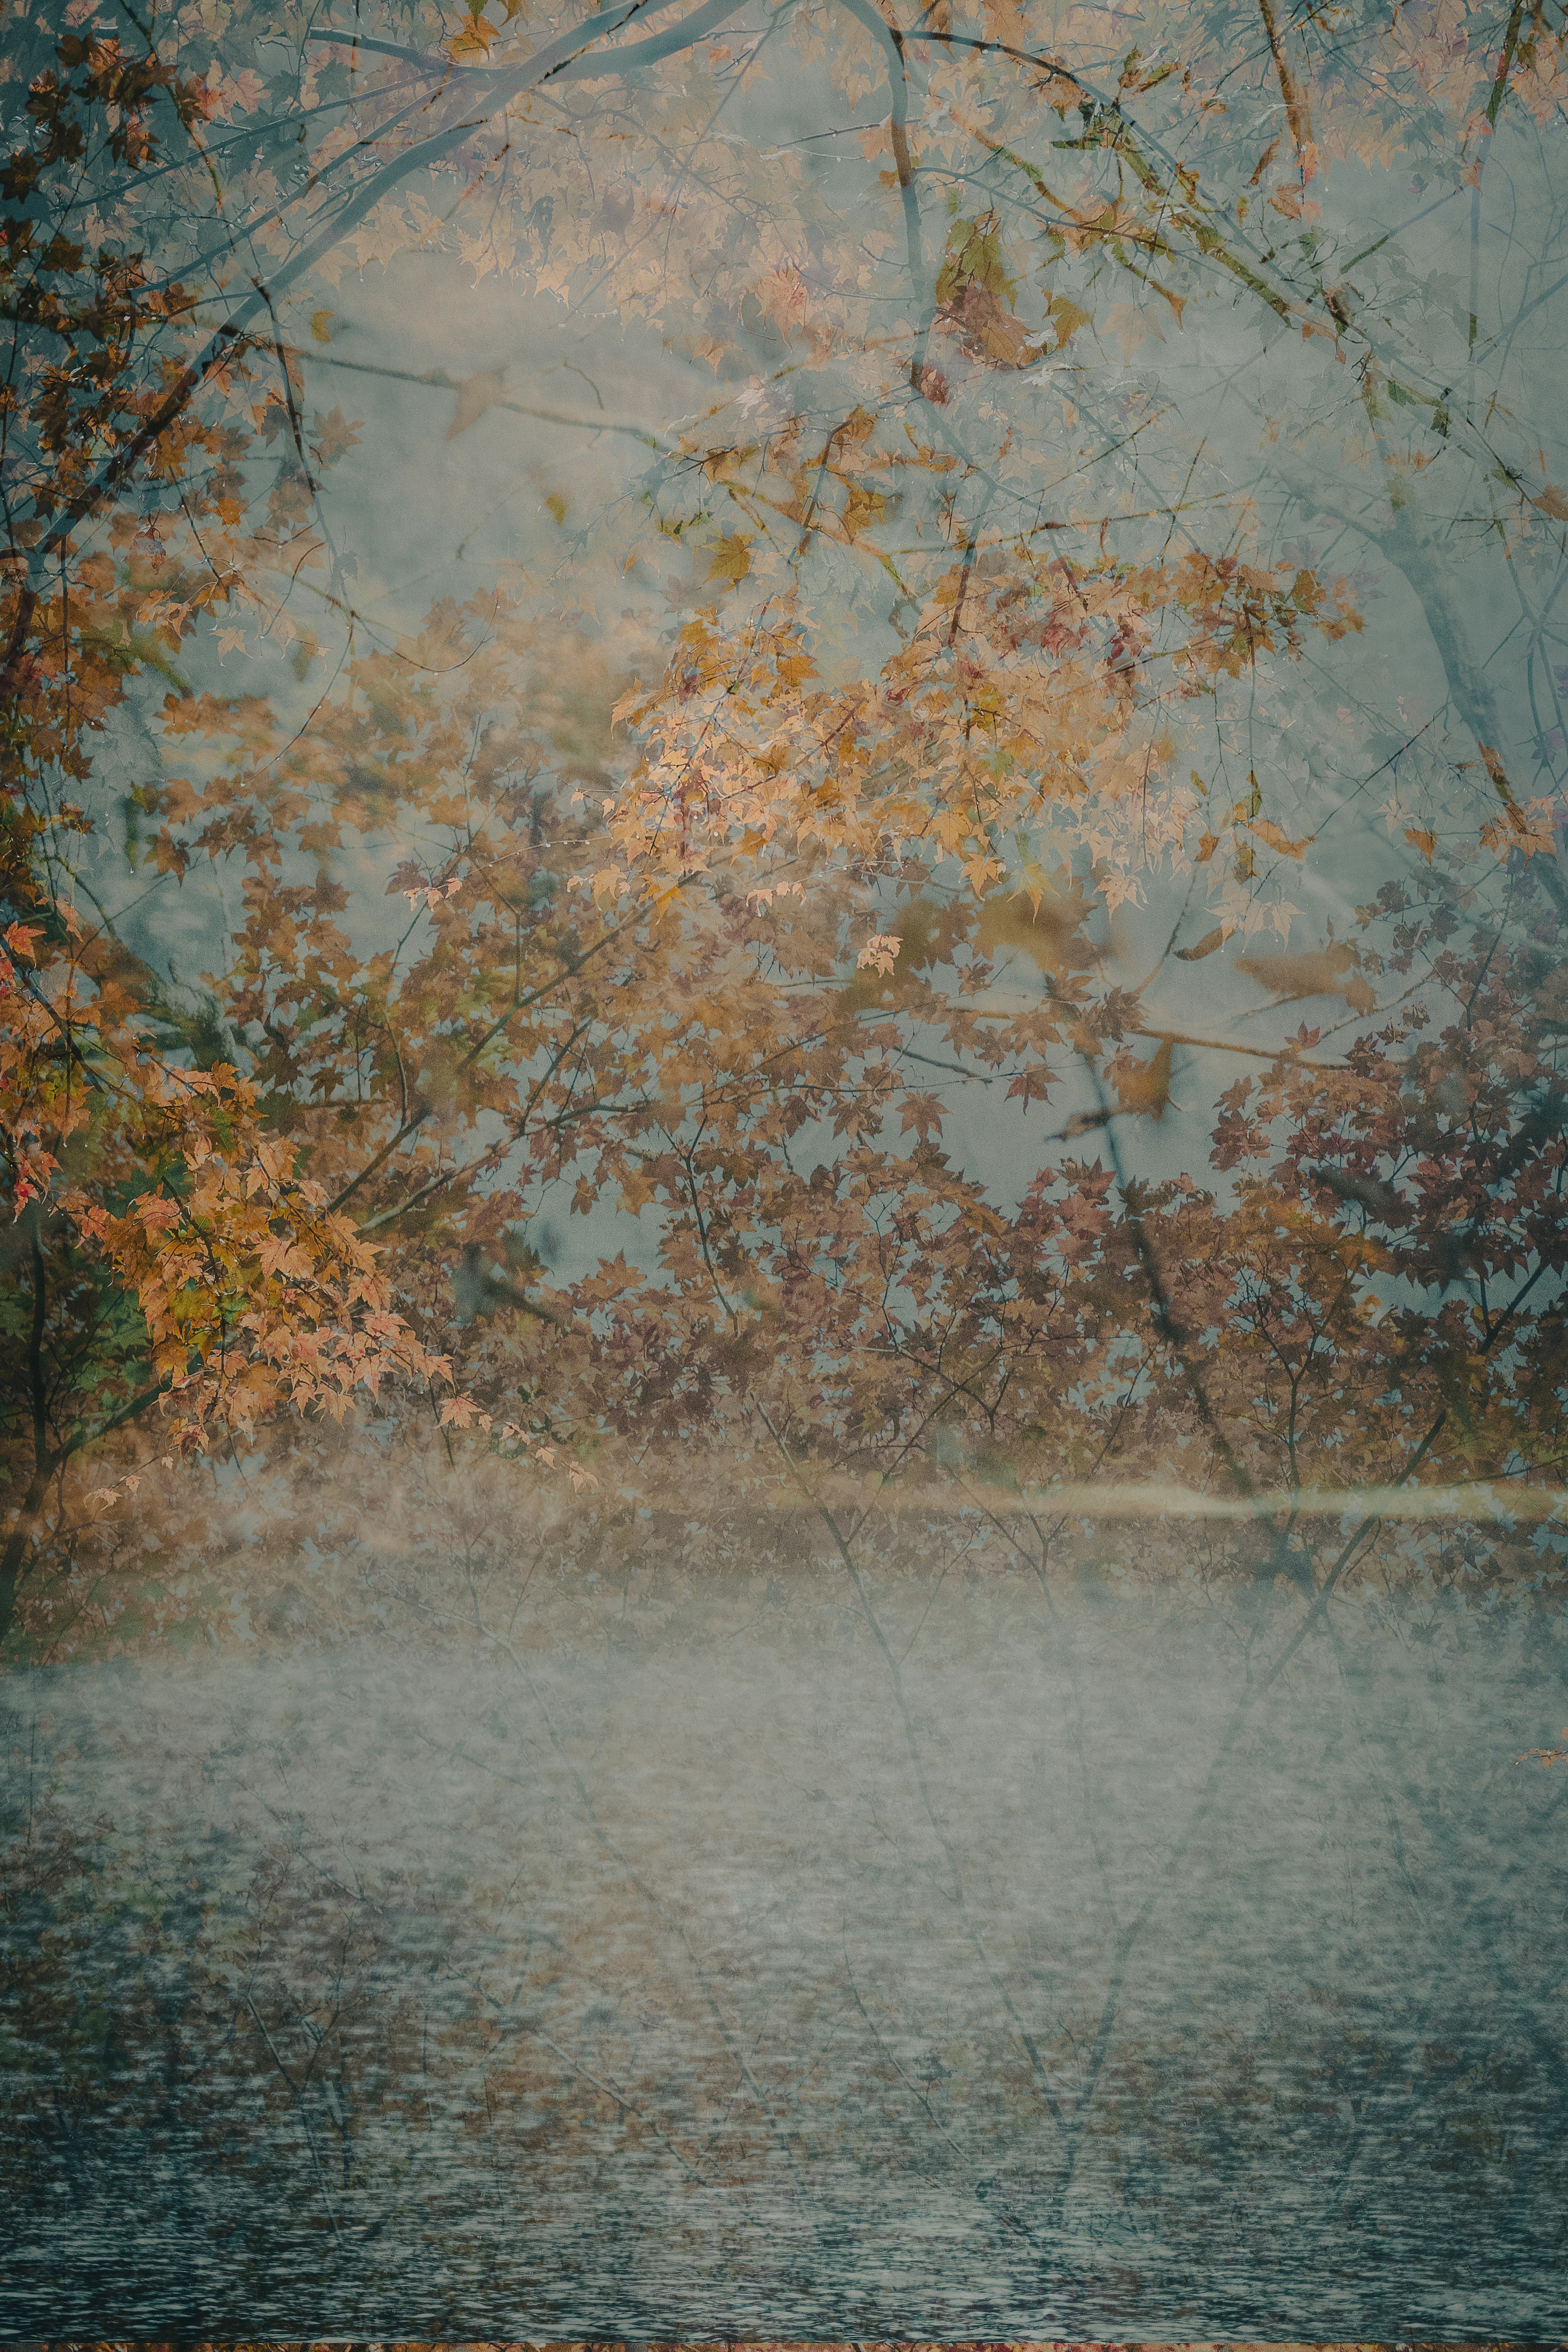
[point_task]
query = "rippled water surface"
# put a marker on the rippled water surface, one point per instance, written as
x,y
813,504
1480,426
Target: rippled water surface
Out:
x,y
705,1981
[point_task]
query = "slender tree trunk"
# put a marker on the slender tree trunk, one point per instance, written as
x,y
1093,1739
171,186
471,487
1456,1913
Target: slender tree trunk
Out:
x,y
15,1561
1448,604
1417,549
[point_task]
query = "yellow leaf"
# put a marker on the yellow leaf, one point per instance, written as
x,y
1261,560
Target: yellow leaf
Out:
x,y
1267,830
1066,318
731,558
474,40
881,951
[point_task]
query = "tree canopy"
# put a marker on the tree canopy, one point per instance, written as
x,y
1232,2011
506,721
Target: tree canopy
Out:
x,y
1003,869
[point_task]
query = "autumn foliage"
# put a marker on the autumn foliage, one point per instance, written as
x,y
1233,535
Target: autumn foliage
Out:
x,y
707,883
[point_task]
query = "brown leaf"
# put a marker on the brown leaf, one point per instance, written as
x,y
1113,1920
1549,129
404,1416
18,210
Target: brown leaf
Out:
x,y
333,435
475,395
1324,971
1047,931
1143,1089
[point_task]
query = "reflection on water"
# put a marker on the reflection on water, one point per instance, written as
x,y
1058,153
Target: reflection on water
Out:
x,y
637,1983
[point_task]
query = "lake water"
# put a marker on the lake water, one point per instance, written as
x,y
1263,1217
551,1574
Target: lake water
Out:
x,y
690,1978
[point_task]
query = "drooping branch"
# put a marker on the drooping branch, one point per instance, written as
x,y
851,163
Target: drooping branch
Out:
x,y
584,66
921,286
439,380
223,349
422,154
1109,127
1505,63
1448,608
1297,111
418,1114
